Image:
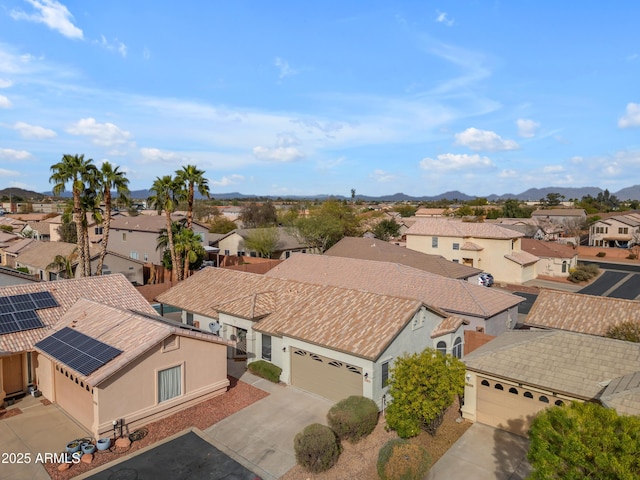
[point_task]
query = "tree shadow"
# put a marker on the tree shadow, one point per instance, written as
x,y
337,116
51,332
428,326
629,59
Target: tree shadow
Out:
x,y
510,449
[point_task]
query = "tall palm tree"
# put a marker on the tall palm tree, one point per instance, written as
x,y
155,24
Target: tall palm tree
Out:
x,y
90,203
62,265
166,195
191,177
110,177
76,170
188,245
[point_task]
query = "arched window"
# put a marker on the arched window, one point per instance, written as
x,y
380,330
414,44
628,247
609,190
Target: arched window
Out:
x,y
543,399
442,347
564,266
559,403
485,383
498,387
528,394
457,348
513,390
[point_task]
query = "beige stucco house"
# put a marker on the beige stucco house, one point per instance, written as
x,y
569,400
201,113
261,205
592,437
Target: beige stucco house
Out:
x,y
233,243
620,231
556,259
489,247
331,341
518,374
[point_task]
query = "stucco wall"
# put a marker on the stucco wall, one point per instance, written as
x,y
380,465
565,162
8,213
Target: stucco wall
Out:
x,y
136,241
44,370
72,395
132,393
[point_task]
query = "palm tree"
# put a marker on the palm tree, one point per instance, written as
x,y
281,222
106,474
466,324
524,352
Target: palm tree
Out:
x,y
62,265
110,177
188,245
166,195
77,170
191,178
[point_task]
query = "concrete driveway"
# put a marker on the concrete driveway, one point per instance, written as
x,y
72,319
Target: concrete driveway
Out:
x,y
260,436
484,453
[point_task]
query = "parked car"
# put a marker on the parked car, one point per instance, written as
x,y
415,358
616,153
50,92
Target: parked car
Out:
x,y
485,279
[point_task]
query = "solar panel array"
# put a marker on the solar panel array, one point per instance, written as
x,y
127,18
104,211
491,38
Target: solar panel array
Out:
x,y
78,351
18,312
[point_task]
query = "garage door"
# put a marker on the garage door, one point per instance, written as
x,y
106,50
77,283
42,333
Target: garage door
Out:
x,y
324,376
509,407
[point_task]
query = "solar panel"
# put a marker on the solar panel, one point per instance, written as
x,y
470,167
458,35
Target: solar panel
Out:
x,y
19,321
44,300
18,312
78,351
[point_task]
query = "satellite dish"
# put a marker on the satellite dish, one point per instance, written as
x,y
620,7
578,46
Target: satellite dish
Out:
x,y
214,327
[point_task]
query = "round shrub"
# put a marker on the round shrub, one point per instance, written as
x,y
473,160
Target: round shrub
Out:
x,y
353,418
317,448
401,459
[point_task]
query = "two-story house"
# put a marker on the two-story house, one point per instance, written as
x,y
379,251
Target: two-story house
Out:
x,y
621,231
489,247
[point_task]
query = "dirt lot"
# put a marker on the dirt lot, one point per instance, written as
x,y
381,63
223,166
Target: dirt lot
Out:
x,y
359,461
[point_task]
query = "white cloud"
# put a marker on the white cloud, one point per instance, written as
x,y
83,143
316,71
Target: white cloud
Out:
x,y
155,155
484,140
225,181
8,173
53,14
381,176
443,18
448,162
577,160
5,83
329,164
632,117
508,173
284,151
104,134
10,154
284,67
527,128
4,102
114,46
553,169
33,131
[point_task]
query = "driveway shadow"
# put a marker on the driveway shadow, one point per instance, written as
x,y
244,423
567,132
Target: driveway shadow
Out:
x,y
510,451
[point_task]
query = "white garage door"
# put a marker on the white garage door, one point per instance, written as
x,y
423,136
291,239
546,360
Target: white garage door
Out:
x,y
324,376
509,407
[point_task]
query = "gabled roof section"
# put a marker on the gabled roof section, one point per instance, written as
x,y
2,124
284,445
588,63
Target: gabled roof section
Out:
x,y
286,241
442,227
114,290
253,307
451,295
470,246
141,223
372,249
543,249
623,394
448,325
40,254
563,362
522,258
126,330
581,313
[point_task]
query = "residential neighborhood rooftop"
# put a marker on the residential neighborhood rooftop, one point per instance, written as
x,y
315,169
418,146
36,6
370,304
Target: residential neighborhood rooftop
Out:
x,y
454,228
544,249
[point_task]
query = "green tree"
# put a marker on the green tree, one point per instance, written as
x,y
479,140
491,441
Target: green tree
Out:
x,y
327,225
189,250
511,209
166,195
257,216
263,241
222,225
584,440
552,200
191,177
77,171
406,210
628,330
386,229
110,178
463,211
68,232
423,386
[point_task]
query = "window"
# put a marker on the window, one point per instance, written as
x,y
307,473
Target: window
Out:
x,y
226,252
455,260
266,347
564,266
287,254
124,237
623,230
98,230
385,374
442,348
241,253
457,348
145,256
456,246
189,318
434,242
134,255
169,383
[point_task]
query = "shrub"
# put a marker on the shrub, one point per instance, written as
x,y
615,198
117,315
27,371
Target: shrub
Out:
x,y
317,448
583,273
632,256
400,459
265,370
353,418
590,268
601,254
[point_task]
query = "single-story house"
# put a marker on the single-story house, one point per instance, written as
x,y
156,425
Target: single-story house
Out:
x,y
556,259
518,374
490,310
233,243
331,341
576,312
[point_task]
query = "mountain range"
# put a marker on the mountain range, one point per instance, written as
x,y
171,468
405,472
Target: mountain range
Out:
x,y
532,194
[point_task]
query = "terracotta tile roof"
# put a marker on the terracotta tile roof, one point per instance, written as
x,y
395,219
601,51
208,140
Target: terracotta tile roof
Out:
x,y
353,321
559,212
543,249
443,227
422,212
522,258
40,254
451,295
623,394
114,290
474,247
16,247
563,362
132,333
581,313
448,325
371,249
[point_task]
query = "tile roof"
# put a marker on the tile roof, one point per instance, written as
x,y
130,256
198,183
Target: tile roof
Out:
x,y
443,227
141,223
474,247
448,325
128,331
543,249
559,212
581,313
563,362
371,249
16,247
451,295
114,290
522,258
623,394
286,241
356,322
40,254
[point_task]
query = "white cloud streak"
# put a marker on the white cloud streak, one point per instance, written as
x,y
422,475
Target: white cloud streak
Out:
x,y
484,140
442,17
527,128
53,14
4,102
33,131
14,155
115,46
284,68
632,117
450,162
104,134
227,180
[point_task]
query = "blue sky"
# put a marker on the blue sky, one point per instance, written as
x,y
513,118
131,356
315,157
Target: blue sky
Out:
x,y
289,97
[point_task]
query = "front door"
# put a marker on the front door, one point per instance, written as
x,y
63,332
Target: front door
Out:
x,y
241,343
12,374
